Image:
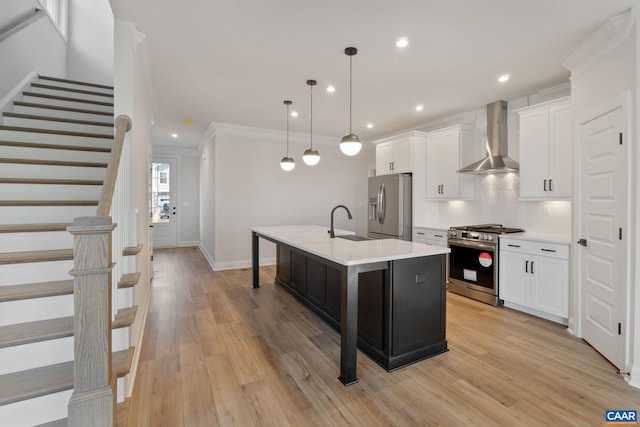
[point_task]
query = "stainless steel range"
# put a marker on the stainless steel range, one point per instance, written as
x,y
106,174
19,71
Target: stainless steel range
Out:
x,y
473,262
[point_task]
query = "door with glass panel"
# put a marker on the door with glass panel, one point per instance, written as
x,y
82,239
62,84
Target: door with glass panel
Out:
x,y
164,207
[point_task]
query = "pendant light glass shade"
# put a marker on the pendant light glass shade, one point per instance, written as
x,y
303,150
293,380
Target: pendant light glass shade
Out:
x,y
287,163
350,143
311,156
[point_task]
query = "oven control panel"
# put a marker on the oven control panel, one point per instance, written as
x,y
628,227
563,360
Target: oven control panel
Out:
x,y
472,235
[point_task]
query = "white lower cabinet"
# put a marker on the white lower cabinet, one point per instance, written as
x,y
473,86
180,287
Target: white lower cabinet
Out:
x,y
534,277
430,236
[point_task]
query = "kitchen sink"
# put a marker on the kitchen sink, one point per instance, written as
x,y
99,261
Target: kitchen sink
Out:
x,y
353,237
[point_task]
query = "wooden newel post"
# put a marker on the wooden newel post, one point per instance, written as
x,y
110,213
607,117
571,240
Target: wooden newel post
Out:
x,y
92,402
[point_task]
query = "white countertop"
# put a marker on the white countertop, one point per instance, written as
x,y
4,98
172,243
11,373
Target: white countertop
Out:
x,y
539,237
315,239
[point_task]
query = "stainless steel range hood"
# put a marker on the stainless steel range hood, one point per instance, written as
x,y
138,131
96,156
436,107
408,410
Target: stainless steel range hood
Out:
x,y
497,160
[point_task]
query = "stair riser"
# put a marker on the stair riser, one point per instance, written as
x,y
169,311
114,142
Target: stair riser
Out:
x,y
125,298
50,192
49,124
47,154
31,310
72,104
37,241
16,274
69,94
11,135
36,411
76,86
43,353
13,170
63,114
35,355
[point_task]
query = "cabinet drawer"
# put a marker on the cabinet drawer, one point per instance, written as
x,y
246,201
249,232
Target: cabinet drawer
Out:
x,y
430,234
552,250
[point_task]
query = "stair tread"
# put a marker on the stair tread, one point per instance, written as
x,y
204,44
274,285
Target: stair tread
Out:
x,y
129,280
61,108
69,89
54,146
36,256
48,203
36,290
49,329
56,119
76,82
53,162
26,228
56,132
32,383
132,250
50,181
66,98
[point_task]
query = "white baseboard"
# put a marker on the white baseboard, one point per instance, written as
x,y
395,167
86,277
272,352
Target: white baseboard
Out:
x,y
207,256
189,244
634,376
131,376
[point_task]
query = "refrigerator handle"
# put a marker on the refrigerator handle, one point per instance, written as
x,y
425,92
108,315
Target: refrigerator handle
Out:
x,y
383,208
379,213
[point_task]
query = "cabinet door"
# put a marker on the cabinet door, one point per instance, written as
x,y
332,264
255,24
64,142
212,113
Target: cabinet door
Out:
x,y
561,151
384,158
450,145
401,161
332,289
433,151
550,285
315,281
534,153
514,278
298,272
283,263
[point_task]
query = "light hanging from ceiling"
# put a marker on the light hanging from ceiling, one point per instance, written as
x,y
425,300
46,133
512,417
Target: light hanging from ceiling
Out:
x,y
350,144
311,156
287,163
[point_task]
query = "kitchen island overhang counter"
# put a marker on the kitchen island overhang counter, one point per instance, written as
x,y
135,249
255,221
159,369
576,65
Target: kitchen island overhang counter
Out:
x,y
411,289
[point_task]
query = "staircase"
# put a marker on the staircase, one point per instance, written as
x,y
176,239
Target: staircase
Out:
x,y
55,143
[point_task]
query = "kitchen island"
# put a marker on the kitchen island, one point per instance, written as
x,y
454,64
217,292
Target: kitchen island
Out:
x,y
386,296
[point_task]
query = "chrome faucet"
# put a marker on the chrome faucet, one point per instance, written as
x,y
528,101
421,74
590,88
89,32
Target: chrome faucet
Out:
x,y
332,234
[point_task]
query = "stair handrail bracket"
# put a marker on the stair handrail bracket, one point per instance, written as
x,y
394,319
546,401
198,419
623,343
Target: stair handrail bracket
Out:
x,y
123,125
92,402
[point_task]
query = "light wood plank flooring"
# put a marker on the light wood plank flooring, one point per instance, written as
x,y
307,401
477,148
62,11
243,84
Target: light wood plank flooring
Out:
x,y
218,353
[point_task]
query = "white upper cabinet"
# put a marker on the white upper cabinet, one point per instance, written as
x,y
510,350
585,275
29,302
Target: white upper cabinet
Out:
x,y
546,150
395,154
444,150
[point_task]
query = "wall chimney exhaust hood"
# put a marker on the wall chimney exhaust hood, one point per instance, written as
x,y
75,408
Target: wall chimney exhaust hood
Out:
x,y
497,160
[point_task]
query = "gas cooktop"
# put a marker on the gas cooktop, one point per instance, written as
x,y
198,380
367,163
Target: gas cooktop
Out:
x,y
488,228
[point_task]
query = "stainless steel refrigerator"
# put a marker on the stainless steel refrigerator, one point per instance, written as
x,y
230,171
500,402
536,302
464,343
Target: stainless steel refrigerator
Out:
x,y
389,209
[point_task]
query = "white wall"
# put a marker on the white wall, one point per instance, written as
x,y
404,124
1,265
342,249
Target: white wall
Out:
x,y
250,189
90,41
37,48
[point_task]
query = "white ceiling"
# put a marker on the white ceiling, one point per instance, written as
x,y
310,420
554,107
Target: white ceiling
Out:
x,y
235,61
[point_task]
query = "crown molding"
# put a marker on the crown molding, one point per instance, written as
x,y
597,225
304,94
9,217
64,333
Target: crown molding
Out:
x,y
219,128
613,32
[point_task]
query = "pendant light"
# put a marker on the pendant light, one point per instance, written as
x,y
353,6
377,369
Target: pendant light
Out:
x,y
311,156
350,143
287,163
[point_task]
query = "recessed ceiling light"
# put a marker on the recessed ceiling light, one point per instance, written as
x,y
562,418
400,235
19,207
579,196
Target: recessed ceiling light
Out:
x,y
419,107
503,78
331,88
187,121
402,42
174,135
294,114
369,125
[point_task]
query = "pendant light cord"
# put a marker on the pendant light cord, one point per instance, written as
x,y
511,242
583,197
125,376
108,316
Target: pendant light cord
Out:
x,y
287,130
311,123
350,89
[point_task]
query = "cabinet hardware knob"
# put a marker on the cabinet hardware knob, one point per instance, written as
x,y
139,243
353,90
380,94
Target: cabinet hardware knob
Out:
x,y
545,185
526,266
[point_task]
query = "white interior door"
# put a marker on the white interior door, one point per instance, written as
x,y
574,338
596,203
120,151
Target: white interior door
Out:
x,y
164,202
603,223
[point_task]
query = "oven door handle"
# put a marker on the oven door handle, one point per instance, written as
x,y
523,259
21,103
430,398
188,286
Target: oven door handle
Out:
x,y
472,245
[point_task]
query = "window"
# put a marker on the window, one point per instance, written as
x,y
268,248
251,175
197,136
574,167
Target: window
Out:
x,y
57,10
164,177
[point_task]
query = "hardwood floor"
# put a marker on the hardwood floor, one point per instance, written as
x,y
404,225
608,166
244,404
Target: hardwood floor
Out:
x,y
218,353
